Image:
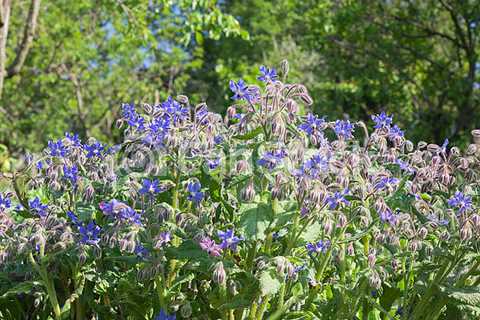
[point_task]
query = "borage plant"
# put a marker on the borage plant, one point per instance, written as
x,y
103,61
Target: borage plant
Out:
x,y
264,214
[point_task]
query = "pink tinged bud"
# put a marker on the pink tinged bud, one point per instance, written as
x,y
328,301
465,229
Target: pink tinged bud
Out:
x,y
395,264
350,249
445,235
219,274
415,245
372,258
342,221
466,232
375,281
422,233
242,166
281,264
248,193
231,111
328,227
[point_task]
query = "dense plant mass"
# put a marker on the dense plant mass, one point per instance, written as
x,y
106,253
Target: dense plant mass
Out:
x,y
262,214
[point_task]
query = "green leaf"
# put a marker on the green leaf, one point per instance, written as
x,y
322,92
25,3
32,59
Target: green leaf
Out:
x,y
249,135
312,232
255,219
24,287
465,295
269,283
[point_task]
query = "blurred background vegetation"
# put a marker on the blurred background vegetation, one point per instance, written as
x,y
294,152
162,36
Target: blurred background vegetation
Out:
x,y
68,65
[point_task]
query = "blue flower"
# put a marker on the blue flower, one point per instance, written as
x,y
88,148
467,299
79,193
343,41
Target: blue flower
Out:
x,y
213,164
73,139
461,202
133,118
444,145
382,120
150,187
5,202
267,75
313,125
158,129
71,174
271,159
318,247
74,218
229,240
141,251
90,233
343,129
39,165
162,239
404,166
195,193
129,215
387,216
94,150
386,183
241,91
315,166
38,207
57,149
118,210
218,139
165,316
175,110
336,199
395,133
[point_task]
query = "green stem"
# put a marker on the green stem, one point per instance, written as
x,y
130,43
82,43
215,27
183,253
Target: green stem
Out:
x,y
49,285
281,296
161,291
263,307
253,311
419,309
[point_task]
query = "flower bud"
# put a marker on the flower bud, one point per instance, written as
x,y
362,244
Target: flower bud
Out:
x,y
466,232
445,235
375,281
219,274
409,145
342,221
414,245
231,111
350,249
186,310
422,233
242,166
372,258
290,270
328,227
281,264
471,150
182,99
395,264
248,193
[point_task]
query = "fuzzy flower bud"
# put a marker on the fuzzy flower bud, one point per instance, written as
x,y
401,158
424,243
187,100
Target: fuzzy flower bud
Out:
x,y
248,193
219,274
372,258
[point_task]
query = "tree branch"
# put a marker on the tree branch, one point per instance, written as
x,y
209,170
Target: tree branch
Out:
x,y
5,6
28,34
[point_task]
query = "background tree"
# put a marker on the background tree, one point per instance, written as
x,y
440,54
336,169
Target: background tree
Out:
x,y
415,59
88,57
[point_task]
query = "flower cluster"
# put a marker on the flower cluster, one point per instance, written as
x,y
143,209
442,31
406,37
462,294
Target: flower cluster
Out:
x,y
266,213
